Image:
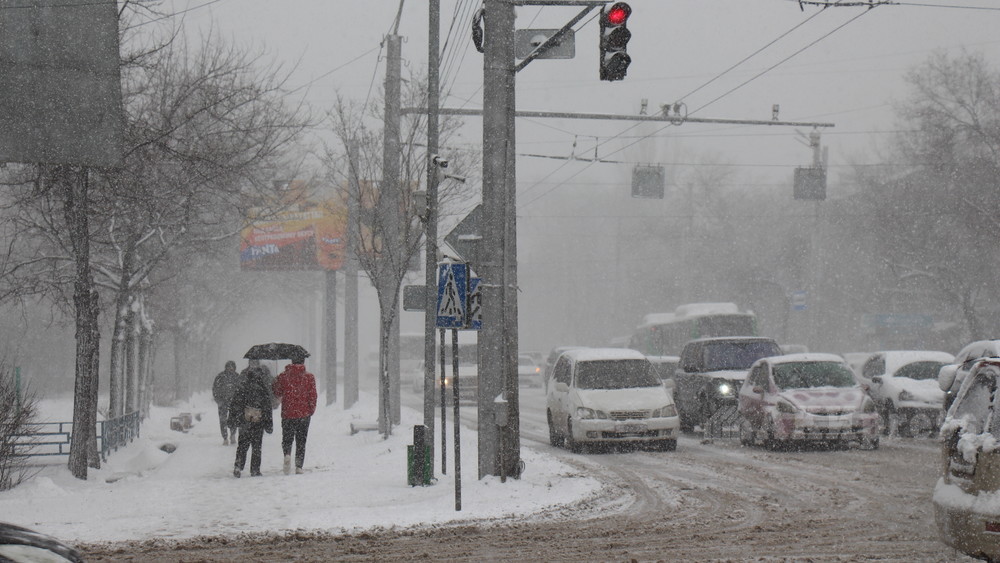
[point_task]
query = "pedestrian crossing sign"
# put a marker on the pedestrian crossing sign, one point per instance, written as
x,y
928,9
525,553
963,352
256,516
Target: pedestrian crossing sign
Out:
x,y
452,295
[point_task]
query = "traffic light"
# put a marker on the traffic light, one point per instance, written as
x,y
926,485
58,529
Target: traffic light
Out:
x,y
614,38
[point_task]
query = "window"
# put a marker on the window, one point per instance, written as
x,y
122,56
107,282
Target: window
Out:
x,y
919,370
803,375
614,374
758,377
561,371
735,355
874,366
975,405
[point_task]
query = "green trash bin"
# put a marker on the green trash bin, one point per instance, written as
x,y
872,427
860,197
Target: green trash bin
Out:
x,y
412,476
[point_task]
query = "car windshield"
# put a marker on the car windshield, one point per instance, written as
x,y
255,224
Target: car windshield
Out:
x,y
803,375
614,374
525,361
736,355
919,370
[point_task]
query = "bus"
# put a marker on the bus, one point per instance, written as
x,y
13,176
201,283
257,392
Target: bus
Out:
x,y
665,334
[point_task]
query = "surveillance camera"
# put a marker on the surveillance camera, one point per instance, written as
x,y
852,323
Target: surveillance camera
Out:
x,y
441,162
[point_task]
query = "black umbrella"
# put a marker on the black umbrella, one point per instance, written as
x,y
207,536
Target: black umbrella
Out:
x,y
276,351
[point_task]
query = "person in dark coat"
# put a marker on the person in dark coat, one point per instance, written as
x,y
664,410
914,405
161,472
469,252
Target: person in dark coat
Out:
x,y
296,389
251,411
223,389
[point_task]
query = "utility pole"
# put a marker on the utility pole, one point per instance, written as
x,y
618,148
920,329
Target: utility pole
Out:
x,y
431,224
351,284
330,334
499,448
389,204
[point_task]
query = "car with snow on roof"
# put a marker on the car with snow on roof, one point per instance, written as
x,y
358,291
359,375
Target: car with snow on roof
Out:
x,y
805,398
904,385
951,376
966,497
609,396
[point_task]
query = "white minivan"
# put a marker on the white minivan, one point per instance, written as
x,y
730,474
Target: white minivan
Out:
x,y
609,396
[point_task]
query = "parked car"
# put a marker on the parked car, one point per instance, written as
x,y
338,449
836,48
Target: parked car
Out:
x,y
951,376
965,497
608,396
904,385
808,398
528,372
18,544
711,371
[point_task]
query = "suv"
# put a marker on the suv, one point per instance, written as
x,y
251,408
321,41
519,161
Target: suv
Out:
x,y
607,396
951,376
965,506
711,372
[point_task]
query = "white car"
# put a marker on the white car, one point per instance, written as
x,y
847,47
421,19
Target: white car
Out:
x,y
529,373
609,396
904,385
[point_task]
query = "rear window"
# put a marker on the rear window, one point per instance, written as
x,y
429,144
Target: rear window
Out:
x,y
736,355
919,370
525,361
614,374
812,374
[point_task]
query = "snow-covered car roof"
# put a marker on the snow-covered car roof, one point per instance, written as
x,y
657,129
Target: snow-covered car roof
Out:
x,y
592,354
895,359
733,339
807,357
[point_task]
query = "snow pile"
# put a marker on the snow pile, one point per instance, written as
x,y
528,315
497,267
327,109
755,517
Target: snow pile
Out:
x,y
351,482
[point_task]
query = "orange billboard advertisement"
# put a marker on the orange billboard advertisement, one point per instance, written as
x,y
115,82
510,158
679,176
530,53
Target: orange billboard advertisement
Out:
x,y
312,237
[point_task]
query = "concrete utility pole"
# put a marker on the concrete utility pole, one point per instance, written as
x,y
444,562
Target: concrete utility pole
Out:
x,y
499,448
330,336
389,203
431,224
351,285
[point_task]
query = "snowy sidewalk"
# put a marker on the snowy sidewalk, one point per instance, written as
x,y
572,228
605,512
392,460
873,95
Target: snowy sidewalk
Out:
x,y
351,482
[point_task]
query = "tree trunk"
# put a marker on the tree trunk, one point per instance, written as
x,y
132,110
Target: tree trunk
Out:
x,y
131,386
74,186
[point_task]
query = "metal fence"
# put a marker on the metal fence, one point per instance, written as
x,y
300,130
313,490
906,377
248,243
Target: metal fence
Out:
x,y
724,423
54,438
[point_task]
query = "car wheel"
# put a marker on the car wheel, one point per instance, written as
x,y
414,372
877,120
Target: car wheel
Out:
x,y
555,438
869,443
571,444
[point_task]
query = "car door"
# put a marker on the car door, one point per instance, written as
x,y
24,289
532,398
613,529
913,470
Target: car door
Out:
x,y
558,401
752,393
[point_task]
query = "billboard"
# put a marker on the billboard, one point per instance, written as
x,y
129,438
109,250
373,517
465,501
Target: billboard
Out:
x,y
60,85
311,236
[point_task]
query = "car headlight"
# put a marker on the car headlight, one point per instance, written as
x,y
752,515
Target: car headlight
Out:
x,y
868,405
584,413
905,395
725,389
785,407
665,412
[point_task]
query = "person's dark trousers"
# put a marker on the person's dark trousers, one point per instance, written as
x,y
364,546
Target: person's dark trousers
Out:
x,y
251,435
295,429
224,424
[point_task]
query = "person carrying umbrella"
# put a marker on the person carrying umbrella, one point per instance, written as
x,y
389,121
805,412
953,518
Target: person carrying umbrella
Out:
x,y
251,411
296,388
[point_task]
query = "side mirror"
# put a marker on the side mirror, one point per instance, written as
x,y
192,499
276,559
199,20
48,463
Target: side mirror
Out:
x,y
562,387
758,389
877,379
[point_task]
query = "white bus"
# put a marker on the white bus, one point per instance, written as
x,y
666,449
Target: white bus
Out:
x,y
665,334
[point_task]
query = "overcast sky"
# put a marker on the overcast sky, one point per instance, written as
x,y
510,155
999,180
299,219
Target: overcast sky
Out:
x,y
848,77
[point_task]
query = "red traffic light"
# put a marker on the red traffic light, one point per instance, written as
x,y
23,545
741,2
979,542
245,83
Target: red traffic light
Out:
x,y
618,13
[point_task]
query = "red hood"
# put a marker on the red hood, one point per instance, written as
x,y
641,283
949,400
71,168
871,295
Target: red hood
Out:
x,y
295,369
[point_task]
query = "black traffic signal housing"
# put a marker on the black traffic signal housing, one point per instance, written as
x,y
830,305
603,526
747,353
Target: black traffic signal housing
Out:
x,y
614,38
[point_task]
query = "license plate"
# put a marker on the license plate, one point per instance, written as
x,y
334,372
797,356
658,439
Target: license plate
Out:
x,y
631,428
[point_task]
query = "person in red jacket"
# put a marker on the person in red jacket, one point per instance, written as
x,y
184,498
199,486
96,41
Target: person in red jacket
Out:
x,y
296,388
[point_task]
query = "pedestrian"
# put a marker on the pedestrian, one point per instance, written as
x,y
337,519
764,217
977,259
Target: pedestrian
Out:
x,y
251,411
296,389
222,391
265,374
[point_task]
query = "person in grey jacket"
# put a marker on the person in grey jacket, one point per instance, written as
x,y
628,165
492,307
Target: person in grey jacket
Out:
x,y
223,389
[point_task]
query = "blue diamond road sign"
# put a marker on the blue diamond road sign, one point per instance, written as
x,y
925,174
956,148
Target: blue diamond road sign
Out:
x,y
452,295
